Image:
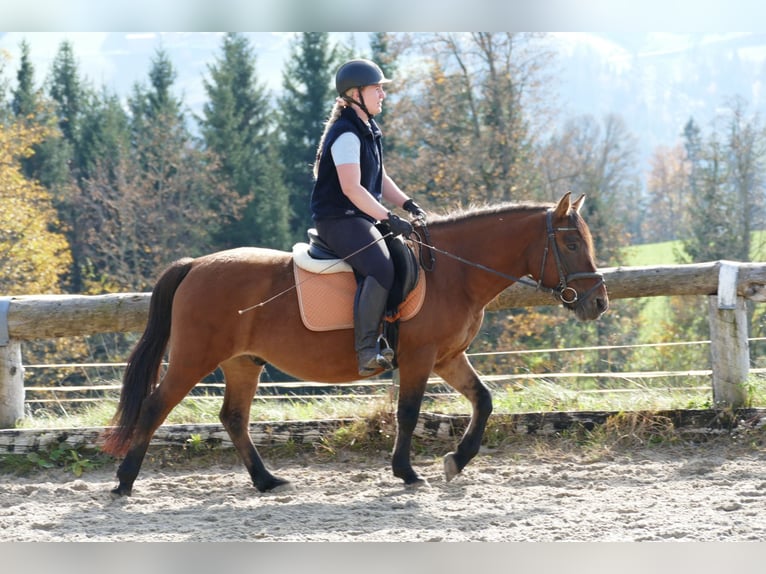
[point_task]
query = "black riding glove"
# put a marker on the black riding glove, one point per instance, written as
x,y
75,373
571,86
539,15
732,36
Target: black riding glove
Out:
x,y
414,209
399,226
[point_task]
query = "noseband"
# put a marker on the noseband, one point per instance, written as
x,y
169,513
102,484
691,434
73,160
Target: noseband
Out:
x,y
568,295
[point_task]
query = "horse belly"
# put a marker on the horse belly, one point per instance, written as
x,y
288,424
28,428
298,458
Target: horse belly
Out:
x,y
326,356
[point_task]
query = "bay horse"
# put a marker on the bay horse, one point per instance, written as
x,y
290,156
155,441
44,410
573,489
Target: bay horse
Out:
x,y
195,313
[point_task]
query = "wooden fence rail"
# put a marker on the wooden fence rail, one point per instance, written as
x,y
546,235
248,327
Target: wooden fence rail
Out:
x,y
727,284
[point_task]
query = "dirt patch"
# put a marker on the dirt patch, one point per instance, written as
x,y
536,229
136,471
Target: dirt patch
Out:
x,y
529,491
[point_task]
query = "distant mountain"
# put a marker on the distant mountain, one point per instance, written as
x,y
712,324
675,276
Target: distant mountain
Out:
x,y
656,82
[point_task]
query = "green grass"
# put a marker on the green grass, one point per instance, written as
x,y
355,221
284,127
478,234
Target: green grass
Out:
x,y
538,395
655,309
649,254
200,410
666,252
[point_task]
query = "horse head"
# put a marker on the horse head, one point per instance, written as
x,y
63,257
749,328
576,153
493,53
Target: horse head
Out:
x,y
569,261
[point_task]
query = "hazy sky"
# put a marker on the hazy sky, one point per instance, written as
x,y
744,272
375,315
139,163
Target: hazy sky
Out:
x,y
99,53
402,15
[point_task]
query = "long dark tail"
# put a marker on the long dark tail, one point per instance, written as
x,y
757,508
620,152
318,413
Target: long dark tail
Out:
x,y
143,368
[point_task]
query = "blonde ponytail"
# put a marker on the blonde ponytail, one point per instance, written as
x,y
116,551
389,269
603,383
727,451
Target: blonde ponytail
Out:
x,y
334,115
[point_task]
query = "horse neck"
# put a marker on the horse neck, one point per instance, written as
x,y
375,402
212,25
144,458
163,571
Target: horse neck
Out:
x,y
502,241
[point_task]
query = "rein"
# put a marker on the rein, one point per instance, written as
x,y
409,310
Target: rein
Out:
x,y
566,294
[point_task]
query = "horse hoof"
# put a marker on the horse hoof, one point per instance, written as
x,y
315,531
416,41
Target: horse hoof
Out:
x,y
417,483
283,486
120,491
275,485
450,467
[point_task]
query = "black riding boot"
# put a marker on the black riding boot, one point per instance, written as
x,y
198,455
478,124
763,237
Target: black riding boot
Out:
x,y
369,305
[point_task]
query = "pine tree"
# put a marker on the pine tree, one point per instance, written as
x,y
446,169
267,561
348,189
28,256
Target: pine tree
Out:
x,y
67,91
104,134
57,167
49,162
726,179
746,147
25,98
27,106
308,84
692,141
5,104
156,107
237,125
711,235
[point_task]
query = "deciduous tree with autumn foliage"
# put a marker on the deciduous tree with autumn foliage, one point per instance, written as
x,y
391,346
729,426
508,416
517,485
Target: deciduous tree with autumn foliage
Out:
x,y
34,256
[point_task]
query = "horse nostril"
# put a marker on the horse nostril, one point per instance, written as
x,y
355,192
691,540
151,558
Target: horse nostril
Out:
x,y
601,304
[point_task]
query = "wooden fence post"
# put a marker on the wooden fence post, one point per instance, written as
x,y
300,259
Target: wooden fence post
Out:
x,y
11,373
728,340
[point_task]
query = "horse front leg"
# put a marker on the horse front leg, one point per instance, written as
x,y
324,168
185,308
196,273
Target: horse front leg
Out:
x,y
460,375
411,390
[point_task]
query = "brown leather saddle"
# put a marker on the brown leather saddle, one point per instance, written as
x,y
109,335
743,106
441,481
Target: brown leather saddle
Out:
x,y
326,286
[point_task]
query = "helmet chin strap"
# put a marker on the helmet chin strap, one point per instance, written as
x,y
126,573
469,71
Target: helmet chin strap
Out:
x,y
360,104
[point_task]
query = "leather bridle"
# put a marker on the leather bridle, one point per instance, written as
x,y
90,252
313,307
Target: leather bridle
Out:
x,y
565,292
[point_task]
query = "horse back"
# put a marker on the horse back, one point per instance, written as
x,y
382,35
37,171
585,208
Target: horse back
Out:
x,y
225,282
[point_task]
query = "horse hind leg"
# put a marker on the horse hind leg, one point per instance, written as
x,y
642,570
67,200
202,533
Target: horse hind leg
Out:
x,y
459,374
154,410
242,377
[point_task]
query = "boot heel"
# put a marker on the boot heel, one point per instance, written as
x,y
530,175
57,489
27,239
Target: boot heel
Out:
x,y
369,362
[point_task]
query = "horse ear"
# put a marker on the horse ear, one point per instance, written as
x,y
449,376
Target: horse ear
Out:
x,y
563,207
578,203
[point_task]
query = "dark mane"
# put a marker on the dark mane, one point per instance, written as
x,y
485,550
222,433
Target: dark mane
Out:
x,y
487,209
475,210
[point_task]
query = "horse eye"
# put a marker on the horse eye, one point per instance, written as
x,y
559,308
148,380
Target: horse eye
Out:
x,y
572,246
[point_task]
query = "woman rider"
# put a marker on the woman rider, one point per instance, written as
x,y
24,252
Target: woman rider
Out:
x,y
346,201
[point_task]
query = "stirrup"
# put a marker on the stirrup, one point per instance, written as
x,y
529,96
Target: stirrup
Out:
x,y
386,354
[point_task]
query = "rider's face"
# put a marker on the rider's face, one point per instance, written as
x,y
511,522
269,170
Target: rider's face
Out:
x,y
373,97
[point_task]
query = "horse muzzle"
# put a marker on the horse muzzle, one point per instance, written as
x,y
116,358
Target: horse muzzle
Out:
x,y
589,305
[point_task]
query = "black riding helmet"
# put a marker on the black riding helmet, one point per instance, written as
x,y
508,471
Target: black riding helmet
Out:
x,y
358,73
